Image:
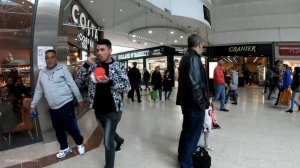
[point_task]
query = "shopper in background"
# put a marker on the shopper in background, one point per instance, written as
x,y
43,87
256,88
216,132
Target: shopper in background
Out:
x,y
146,78
219,83
105,94
59,88
295,88
193,98
167,85
156,81
233,86
286,80
134,76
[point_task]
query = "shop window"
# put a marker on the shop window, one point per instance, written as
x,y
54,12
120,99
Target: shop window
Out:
x,y
15,85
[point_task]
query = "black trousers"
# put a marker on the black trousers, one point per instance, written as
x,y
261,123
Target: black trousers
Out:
x,y
63,119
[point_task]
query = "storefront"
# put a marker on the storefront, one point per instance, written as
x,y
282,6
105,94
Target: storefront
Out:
x,y
289,53
250,61
26,34
149,58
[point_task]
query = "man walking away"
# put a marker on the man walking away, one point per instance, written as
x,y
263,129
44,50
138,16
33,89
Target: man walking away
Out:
x,y
134,76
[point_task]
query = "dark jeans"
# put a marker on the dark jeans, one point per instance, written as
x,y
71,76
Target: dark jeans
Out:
x,y
159,93
233,92
137,89
109,123
167,94
63,119
146,84
191,130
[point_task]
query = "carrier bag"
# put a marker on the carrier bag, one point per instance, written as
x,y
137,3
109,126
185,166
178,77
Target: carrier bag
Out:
x,y
153,95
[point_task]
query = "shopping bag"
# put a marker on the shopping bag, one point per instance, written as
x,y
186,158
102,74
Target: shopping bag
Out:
x,y
201,158
153,95
285,97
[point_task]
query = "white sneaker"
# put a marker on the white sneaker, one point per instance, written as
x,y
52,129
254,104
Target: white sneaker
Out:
x,y
81,149
63,153
209,148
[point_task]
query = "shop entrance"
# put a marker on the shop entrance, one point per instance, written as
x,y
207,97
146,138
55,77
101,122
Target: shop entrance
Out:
x,y
251,70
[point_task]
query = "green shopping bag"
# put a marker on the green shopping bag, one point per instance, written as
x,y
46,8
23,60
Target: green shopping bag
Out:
x,y
153,95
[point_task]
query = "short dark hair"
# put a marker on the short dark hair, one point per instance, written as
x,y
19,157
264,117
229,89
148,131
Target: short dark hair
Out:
x,y
51,50
194,40
104,42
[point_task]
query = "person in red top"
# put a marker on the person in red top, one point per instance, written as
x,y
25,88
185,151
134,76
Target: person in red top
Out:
x,y
219,82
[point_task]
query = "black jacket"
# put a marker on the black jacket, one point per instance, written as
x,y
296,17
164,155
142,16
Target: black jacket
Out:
x,y
134,76
156,80
295,82
192,82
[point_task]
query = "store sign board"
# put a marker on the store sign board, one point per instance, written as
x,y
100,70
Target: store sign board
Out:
x,y
242,50
130,55
289,50
79,17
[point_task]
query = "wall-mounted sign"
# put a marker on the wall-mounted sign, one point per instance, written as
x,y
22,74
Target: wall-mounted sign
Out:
x,y
41,62
81,18
251,50
155,51
289,50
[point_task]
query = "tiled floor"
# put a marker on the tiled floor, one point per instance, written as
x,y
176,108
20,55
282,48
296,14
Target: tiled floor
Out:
x,y
252,135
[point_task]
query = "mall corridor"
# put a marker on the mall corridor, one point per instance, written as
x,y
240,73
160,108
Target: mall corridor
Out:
x,y
252,135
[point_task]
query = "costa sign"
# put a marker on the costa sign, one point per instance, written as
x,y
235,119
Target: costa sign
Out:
x,y
79,17
289,50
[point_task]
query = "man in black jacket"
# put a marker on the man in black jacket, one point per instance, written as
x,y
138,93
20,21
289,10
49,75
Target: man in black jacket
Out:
x,y
134,76
193,98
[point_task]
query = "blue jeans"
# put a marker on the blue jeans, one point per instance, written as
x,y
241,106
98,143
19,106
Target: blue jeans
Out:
x,y
220,94
233,96
191,130
109,123
292,99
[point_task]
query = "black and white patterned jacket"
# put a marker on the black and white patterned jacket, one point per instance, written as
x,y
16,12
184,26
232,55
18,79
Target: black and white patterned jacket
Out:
x,y
118,76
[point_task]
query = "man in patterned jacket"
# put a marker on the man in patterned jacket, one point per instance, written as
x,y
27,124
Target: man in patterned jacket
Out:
x,y
105,94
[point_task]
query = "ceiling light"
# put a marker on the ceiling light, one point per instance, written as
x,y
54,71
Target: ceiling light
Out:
x,y
23,2
181,37
133,35
76,39
172,32
30,6
103,20
92,1
175,41
21,22
134,41
121,10
150,31
145,43
161,43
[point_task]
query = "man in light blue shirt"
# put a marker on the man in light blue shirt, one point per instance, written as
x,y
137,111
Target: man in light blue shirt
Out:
x,y
59,88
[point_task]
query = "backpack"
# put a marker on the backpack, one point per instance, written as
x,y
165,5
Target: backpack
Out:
x,y
201,158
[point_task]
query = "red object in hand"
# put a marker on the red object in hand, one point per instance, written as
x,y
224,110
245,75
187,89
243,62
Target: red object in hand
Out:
x,y
99,73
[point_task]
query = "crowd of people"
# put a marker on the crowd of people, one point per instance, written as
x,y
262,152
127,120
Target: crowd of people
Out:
x,y
106,92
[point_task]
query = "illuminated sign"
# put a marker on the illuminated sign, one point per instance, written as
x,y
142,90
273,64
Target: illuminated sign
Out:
x,y
242,49
291,50
79,17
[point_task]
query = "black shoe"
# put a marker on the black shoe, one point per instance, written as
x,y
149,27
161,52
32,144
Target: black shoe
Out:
x,y
225,110
234,103
132,100
289,110
139,101
118,146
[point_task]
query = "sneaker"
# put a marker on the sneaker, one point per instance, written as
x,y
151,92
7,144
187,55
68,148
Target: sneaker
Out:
x,y
208,148
81,149
118,146
225,110
63,153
